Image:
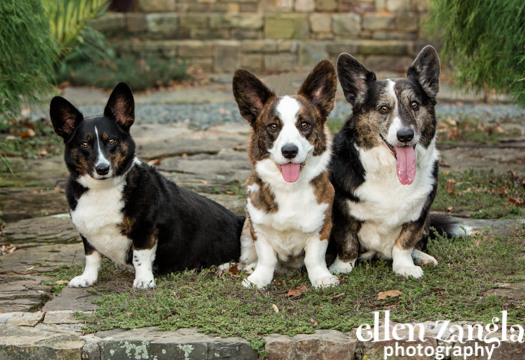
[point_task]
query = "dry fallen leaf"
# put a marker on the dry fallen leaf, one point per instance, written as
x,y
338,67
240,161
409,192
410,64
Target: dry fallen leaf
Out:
x,y
234,270
449,209
337,296
296,292
446,172
450,186
314,322
275,308
229,192
154,162
62,282
384,294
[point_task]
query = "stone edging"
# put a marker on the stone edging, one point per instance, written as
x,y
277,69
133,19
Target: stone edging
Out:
x,y
58,335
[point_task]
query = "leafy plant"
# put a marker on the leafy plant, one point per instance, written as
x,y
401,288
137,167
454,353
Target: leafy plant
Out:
x,y
27,55
68,21
485,42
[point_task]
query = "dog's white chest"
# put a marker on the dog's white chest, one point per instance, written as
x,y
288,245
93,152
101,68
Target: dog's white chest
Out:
x,y
299,217
97,216
385,203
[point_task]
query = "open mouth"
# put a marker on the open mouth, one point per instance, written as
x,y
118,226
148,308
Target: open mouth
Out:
x,y
406,162
291,171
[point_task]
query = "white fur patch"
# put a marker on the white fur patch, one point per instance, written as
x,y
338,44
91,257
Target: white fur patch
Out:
x,y
97,214
342,267
101,160
90,274
143,263
288,108
315,263
403,263
423,259
386,204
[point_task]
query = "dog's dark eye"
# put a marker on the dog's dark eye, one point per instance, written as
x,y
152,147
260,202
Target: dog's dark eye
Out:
x,y
84,145
273,127
305,125
414,105
384,109
111,142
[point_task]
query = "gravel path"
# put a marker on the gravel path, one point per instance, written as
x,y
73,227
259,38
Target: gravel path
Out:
x,y
202,116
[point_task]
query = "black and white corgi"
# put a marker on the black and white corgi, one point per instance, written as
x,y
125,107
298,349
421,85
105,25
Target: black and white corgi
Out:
x,y
385,166
290,197
125,210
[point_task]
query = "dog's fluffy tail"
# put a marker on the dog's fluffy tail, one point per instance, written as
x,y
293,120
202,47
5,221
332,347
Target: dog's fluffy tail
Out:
x,y
444,225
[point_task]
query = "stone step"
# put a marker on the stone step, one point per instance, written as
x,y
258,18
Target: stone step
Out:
x,y
58,335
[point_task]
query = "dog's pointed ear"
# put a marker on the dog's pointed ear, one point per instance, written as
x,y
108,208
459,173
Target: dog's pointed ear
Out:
x,y
64,116
354,77
425,70
250,94
121,106
320,87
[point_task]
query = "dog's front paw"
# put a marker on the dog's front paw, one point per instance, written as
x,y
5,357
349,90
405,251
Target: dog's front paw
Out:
x,y
407,271
144,283
326,281
341,267
81,281
258,281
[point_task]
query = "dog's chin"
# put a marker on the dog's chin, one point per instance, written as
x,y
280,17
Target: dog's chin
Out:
x,y
100,177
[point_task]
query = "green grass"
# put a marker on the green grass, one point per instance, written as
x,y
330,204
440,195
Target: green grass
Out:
x,y
217,304
139,74
484,194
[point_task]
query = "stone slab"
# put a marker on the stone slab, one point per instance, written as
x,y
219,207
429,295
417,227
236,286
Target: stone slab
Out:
x,y
24,319
183,344
55,229
27,203
22,343
71,299
38,259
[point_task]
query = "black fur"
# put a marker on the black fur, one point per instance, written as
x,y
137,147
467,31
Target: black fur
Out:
x,y
191,231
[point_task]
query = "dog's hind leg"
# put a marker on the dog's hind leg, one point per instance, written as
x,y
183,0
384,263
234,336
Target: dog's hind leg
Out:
x,y
423,259
248,259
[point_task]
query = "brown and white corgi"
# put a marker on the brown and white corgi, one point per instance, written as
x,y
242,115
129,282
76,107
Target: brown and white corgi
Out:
x,y
289,204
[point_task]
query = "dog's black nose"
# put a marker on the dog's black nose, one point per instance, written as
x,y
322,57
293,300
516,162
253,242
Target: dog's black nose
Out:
x,y
405,134
102,169
289,151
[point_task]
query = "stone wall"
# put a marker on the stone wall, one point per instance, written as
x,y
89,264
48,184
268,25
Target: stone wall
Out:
x,y
270,35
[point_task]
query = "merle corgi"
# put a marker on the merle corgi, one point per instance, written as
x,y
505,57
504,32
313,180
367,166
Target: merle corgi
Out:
x,y
125,210
289,195
385,166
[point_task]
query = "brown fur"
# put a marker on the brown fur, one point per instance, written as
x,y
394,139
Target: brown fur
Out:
x,y
127,225
324,192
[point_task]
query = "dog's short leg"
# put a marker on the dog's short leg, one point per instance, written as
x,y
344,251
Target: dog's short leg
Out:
x,y
403,263
344,233
423,259
315,263
266,263
342,267
90,274
248,258
143,263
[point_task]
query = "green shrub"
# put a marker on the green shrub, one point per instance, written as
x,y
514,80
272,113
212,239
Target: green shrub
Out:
x,y
138,74
27,55
485,40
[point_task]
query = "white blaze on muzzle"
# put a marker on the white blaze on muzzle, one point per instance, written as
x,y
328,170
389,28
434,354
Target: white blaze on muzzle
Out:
x,y
287,110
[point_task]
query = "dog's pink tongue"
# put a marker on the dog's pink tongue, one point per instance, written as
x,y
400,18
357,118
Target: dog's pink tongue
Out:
x,y
406,164
291,172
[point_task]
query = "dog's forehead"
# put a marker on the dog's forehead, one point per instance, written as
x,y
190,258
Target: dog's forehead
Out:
x,y
100,125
